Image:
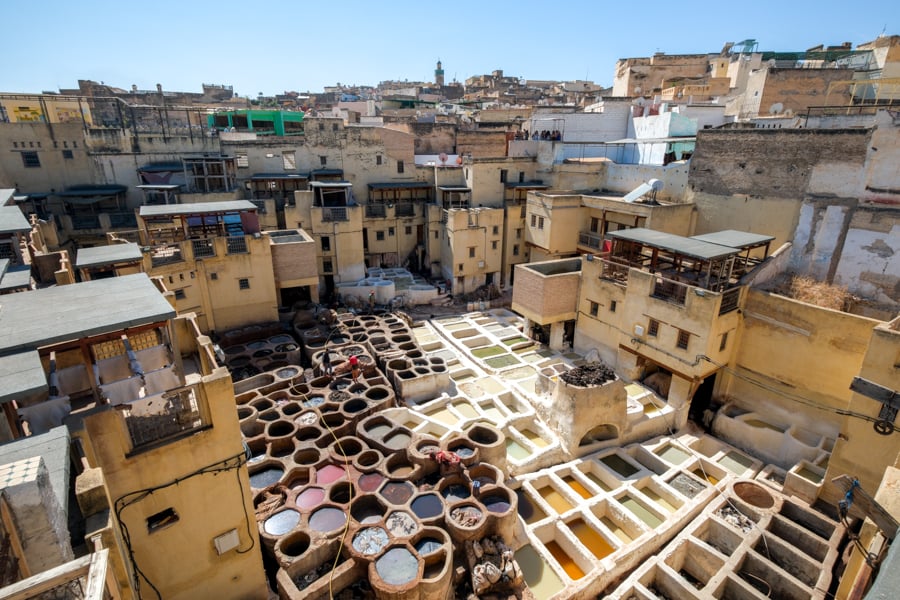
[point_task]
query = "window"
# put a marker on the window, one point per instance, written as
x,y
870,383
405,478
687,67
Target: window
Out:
x,y
161,519
496,230
459,267
471,251
179,294
31,159
724,342
408,230
67,154
241,160
74,144
327,266
594,308
595,224
391,231
334,126
15,144
436,235
518,234
683,338
377,159
540,222
321,126
521,176
613,304
503,175
399,166
516,250
326,243
379,235
653,328
493,244
323,160
289,160
243,284
533,220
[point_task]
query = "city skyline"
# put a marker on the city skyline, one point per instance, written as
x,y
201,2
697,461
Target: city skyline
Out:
x,y
233,44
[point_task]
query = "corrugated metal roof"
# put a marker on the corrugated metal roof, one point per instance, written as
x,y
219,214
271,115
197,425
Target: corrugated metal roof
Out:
x,y
107,255
196,208
69,312
674,243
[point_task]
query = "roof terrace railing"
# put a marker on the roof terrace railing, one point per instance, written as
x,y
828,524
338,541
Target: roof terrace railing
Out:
x,y
204,248
335,214
615,272
160,417
166,254
236,245
590,239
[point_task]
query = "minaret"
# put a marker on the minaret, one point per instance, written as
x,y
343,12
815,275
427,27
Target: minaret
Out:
x,y
439,75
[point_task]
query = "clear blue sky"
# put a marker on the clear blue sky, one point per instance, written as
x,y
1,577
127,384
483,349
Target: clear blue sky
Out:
x,y
271,47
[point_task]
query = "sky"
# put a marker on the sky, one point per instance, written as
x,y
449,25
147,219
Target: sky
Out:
x,y
275,47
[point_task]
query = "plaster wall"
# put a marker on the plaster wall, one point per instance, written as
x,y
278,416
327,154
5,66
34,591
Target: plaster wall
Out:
x,y
180,559
551,222
469,242
547,299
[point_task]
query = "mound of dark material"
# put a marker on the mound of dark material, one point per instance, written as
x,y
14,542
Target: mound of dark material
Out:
x,y
593,374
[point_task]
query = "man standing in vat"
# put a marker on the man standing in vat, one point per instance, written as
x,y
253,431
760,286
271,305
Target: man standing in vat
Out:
x,y
354,367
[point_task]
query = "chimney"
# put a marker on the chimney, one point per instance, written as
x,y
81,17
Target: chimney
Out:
x,y
159,88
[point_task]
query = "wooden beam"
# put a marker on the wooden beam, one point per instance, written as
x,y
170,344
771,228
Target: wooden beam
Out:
x,y
867,504
42,582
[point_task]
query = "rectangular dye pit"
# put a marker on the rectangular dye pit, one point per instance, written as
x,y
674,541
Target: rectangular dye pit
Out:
x,y
555,499
591,539
493,412
618,465
516,451
529,510
503,361
673,454
540,577
641,511
662,498
694,563
562,557
736,462
723,539
610,514
538,441
577,486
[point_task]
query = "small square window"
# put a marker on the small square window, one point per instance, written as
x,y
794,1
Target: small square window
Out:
x,y
379,235
55,144
459,267
533,220
163,518
334,126
377,159
74,144
594,308
521,176
493,244
244,284
391,231
496,230
723,342
289,160
516,250
326,243
241,160
400,166
518,234
67,154
179,295
323,160
540,222
408,230
472,252
503,175
683,338
613,304
15,144
436,235
321,126
31,160
653,328
327,266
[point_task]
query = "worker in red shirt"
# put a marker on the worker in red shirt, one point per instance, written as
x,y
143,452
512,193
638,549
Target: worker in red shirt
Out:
x,y
354,367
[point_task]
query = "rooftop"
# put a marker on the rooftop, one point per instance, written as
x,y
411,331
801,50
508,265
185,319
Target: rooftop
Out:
x,y
99,256
675,243
12,220
70,312
734,239
197,208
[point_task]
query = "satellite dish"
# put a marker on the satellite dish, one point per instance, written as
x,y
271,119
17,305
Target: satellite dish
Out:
x,y
443,157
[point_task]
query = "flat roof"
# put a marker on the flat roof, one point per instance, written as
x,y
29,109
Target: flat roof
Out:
x,y
674,243
196,208
660,140
735,239
452,188
21,375
53,448
92,190
6,194
99,256
69,312
15,278
327,172
330,184
538,185
389,185
12,220
279,176
164,187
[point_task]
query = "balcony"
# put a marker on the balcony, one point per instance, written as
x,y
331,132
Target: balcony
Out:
x,y
405,209
730,301
163,416
614,271
669,291
85,221
204,248
236,245
376,211
335,214
591,240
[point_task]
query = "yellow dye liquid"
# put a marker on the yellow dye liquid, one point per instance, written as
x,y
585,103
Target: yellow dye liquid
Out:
x,y
592,540
617,531
577,486
565,561
535,439
556,500
709,476
444,416
466,410
599,482
493,414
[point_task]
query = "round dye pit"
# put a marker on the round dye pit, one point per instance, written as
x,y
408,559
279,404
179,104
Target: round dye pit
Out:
x,y
397,492
329,474
370,482
401,524
281,523
370,541
314,401
266,477
496,504
398,566
310,498
467,516
327,519
427,506
456,492
428,545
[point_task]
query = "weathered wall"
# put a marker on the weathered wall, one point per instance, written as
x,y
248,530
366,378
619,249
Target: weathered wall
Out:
x,y
481,144
636,76
546,298
552,223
